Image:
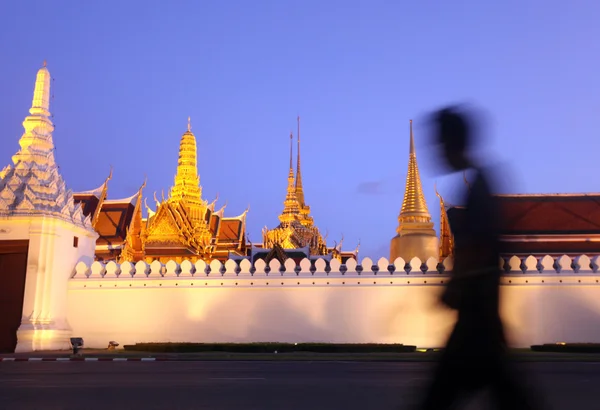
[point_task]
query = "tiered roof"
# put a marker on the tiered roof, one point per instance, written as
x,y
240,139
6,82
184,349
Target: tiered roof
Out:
x,y
543,224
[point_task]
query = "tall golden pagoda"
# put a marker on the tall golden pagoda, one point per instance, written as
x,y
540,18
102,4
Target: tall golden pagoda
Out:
x,y
183,226
416,236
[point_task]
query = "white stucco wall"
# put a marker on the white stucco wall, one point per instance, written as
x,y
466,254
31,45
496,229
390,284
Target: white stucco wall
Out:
x,y
383,308
50,261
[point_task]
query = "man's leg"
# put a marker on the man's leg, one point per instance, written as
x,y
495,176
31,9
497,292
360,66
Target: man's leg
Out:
x,y
508,390
448,385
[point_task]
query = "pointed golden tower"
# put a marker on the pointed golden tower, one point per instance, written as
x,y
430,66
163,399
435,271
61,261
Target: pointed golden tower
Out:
x,y
187,182
305,218
181,220
416,236
296,229
291,208
299,188
187,189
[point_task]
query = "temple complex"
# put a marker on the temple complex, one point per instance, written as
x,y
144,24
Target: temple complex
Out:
x,y
57,284
184,225
416,236
296,236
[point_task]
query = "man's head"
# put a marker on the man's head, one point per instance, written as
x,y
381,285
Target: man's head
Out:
x,y
453,133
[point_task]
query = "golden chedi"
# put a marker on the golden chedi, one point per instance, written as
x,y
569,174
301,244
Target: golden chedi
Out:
x,y
416,236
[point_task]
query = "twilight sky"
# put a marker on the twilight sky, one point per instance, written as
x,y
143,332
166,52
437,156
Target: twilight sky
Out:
x,y
127,74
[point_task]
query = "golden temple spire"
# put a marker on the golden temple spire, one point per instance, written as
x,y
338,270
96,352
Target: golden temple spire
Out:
x,y
415,234
187,182
291,155
291,207
299,187
189,124
446,240
414,207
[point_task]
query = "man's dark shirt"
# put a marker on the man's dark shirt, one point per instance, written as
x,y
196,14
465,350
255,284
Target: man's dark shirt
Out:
x,y
476,253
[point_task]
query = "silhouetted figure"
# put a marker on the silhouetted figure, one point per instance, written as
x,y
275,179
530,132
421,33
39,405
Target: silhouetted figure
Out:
x,y
475,356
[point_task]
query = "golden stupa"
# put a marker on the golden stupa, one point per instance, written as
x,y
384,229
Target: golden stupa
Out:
x,y
416,236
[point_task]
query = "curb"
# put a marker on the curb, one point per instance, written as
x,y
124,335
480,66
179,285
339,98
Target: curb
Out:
x,y
81,359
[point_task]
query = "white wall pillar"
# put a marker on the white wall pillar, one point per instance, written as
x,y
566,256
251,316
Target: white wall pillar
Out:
x,y
50,263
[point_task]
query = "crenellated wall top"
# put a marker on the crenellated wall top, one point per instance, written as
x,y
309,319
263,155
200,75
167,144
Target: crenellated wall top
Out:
x,y
513,266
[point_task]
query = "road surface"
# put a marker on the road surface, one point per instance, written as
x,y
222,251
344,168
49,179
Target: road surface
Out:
x,y
256,385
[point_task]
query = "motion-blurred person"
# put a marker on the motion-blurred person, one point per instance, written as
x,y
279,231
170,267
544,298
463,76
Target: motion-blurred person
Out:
x,y
475,356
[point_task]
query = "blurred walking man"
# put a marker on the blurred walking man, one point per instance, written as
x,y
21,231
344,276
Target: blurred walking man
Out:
x,y
475,355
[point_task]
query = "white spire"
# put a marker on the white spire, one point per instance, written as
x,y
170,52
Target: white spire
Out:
x,y
33,184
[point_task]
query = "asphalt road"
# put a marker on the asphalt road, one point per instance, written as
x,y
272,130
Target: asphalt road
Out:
x,y
257,385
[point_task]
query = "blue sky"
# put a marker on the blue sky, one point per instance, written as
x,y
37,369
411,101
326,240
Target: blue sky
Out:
x,y
127,74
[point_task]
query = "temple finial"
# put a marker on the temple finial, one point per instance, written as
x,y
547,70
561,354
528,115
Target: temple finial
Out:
x,y
290,205
412,140
291,143
299,187
187,182
40,104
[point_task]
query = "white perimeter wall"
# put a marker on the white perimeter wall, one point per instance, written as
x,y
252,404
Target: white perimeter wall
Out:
x,y
537,307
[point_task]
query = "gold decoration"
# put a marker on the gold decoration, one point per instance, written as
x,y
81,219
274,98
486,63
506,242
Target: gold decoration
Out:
x,y
296,228
446,238
414,208
133,249
181,220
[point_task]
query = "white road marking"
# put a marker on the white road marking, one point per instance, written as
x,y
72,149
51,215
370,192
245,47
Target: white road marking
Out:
x,y
237,378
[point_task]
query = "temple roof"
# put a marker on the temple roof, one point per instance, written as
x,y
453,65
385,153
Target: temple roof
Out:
x,y
113,221
97,192
128,200
89,202
547,214
231,229
551,214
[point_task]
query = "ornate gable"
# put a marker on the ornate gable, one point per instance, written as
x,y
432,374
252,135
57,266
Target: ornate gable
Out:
x,y
164,229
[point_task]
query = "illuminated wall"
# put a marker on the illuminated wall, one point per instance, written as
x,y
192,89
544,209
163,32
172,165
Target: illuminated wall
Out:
x,y
172,303
51,254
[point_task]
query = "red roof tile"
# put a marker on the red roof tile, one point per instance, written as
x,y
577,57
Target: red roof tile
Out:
x,y
551,214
